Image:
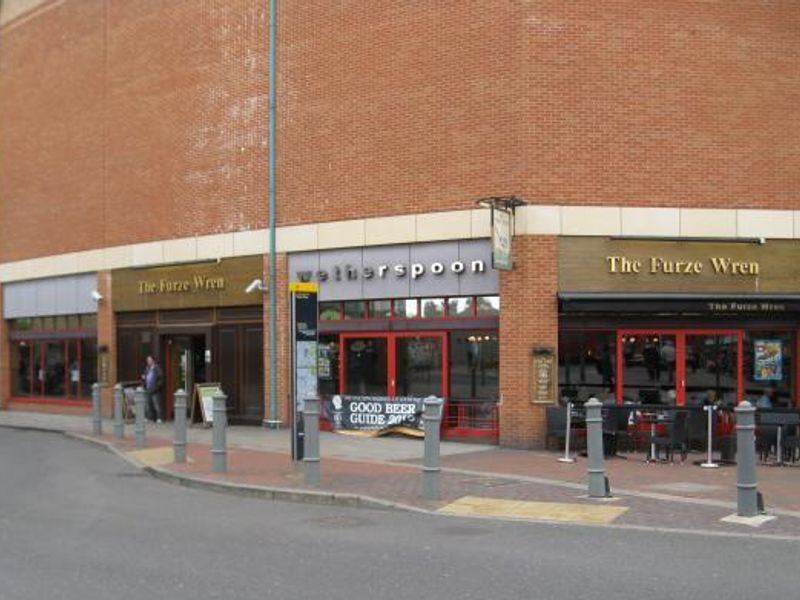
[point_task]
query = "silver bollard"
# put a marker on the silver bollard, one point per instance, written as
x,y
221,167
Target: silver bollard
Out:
x,y
218,443
567,458
311,440
97,417
119,419
138,428
431,465
598,487
179,445
710,464
746,484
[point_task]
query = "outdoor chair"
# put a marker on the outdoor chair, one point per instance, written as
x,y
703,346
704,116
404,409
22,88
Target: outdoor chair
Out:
x,y
677,438
698,429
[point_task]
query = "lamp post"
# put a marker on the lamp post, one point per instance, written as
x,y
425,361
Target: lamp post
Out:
x,y
273,421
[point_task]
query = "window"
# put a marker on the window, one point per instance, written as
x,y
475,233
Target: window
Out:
x,y
474,365
56,365
405,309
488,306
768,366
460,307
355,309
330,311
432,308
586,365
380,309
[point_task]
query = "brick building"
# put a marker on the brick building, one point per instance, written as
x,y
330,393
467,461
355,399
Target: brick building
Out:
x,y
655,144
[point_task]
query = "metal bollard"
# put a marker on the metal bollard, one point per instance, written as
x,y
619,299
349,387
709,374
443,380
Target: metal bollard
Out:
x,y
746,484
138,428
97,417
431,469
567,458
710,464
218,443
179,445
598,484
311,440
119,420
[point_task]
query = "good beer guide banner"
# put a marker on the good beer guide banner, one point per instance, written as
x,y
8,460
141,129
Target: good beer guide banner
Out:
x,y
375,415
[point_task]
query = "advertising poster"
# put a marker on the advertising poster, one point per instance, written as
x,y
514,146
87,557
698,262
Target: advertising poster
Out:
x,y
768,360
375,415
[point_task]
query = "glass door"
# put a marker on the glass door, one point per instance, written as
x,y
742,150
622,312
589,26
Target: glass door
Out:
x,y
419,366
366,365
393,364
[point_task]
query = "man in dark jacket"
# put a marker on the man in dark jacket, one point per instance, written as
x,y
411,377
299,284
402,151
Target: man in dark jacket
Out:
x,y
153,382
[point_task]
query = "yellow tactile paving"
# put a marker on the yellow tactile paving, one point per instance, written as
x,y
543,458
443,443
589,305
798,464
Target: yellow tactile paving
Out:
x,y
154,457
537,511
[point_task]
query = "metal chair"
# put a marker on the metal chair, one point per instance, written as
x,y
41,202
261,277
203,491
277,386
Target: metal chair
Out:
x,y
677,438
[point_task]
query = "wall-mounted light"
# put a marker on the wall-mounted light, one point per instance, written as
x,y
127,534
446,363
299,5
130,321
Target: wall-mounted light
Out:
x,y
255,285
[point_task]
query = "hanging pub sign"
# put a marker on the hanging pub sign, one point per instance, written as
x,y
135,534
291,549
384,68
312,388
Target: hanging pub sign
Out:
x,y
375,415
501,238
304,355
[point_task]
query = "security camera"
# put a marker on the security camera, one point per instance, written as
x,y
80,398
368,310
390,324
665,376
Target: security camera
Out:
x,y
255,285
97,296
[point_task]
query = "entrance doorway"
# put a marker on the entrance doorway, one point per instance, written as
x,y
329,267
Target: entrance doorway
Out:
x,y
394,364
184,366
680,366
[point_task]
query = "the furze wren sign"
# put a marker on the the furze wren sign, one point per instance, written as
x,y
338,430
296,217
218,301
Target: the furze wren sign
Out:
x,y
718,265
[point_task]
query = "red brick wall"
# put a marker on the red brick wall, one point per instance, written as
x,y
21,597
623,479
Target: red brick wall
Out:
x,y
528,319
128,121
123,122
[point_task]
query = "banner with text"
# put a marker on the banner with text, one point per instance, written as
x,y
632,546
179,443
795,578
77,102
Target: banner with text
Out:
x,y
375,415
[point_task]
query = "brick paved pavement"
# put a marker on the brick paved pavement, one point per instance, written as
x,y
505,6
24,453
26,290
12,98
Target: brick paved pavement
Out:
x,y
656,495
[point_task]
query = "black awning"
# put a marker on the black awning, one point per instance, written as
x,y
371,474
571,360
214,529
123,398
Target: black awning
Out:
x,y
670,303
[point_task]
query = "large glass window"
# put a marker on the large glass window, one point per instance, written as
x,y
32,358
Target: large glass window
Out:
x,y
57,366
474,365
586,365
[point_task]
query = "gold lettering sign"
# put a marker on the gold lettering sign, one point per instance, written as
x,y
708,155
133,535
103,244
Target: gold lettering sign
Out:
x,y
654,265
594,264
196,285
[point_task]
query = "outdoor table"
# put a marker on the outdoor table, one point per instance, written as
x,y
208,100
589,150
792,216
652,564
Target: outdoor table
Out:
x,y
653,418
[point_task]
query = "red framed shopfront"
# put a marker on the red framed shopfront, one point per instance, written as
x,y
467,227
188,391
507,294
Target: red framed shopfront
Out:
x,y
391,357
680,357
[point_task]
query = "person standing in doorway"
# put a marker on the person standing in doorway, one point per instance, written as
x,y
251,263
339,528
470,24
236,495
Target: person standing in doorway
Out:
x,y
153,378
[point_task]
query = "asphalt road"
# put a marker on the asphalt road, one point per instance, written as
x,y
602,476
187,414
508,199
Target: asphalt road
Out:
x,y
76,522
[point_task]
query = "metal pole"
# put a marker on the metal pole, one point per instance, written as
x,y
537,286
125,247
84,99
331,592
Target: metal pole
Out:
x,y
710,464
179,445
311,440
431,469
746,483
138,428
567,458
97,418
778,449
119,418
218,451
596,469
273,268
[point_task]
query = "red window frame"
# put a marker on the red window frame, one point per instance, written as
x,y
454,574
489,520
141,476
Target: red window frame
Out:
x,y
680,357
37,386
